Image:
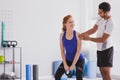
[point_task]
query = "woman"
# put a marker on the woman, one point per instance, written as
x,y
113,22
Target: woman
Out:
x,y
70,46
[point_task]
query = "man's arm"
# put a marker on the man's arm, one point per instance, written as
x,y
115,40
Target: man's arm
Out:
x,y
92,30
99,40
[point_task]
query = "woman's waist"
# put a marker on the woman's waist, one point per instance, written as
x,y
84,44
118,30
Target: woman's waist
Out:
x,y
72,55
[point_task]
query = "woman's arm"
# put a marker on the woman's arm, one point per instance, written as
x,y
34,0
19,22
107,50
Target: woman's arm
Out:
x,y
63,53
77,52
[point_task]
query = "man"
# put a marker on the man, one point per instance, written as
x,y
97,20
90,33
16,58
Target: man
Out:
x,y
103,27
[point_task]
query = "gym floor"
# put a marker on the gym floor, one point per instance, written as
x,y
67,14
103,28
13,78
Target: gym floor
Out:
x,y
83,79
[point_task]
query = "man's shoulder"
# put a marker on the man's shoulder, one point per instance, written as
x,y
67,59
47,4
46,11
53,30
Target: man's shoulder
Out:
x,y
110,21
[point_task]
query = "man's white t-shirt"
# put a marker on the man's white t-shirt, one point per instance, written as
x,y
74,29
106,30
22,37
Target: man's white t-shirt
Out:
x,y
104,26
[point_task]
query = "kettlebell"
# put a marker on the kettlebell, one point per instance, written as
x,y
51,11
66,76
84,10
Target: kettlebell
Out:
x,y
69,73
8,43
13,43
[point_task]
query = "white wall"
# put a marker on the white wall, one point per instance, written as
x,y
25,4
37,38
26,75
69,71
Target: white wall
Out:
x,y
36,25
116,40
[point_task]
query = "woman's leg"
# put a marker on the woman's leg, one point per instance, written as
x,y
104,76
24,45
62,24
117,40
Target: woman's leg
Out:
x,y
79,69
60,71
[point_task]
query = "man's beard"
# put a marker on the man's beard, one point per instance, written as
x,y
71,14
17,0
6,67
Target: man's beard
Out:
x,y
102,16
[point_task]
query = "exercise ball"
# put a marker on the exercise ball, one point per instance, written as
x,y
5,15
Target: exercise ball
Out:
x,y
92,68
85,69
64,79
56,64
1,59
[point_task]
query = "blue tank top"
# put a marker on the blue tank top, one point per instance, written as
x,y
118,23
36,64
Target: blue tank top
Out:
x,y
71,47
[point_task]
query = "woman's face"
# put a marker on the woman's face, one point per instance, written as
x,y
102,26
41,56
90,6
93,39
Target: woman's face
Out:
x,y
70,24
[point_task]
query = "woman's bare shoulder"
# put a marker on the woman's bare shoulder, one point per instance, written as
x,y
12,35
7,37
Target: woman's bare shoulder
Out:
x,y
61,34
77,33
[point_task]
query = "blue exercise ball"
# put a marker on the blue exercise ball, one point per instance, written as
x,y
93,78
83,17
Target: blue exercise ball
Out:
x,y
85,70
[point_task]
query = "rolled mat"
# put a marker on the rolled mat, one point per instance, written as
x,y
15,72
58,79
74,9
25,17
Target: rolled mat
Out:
x,y
35,72
28,72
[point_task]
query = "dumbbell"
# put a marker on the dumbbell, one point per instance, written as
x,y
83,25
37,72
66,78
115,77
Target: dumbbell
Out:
x,y
69,73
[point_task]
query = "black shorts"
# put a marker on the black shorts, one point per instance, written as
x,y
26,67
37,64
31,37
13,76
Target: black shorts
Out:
x,y
105,57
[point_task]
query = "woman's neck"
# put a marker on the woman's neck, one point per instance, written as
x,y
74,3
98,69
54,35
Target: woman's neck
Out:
x,y
69,32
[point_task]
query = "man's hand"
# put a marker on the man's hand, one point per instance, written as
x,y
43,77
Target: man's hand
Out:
x,y
84,36
81,36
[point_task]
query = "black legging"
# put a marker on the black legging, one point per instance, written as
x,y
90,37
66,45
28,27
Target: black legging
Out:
x,y
79,70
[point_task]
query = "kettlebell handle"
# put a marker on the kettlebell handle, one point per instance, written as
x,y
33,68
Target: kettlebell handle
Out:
x,y
69,73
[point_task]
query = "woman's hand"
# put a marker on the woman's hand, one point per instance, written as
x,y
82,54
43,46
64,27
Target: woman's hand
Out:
x,y
66,67
71,67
